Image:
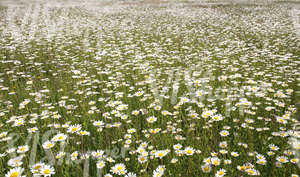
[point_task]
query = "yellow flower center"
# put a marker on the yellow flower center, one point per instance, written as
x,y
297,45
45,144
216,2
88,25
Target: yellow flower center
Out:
x,y
282,160
251,172
14,174
47,171
216,162
37,167
49,145
189,151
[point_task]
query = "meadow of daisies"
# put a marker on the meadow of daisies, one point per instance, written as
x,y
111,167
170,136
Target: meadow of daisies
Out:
x,y
155,88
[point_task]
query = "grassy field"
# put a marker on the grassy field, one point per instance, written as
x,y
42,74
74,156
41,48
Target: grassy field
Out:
x,y
149,88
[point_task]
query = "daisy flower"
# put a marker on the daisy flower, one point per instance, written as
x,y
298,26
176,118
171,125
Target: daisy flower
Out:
x,y
220,173
74,128
15,162
23,149
174,160
294,160
15,172
273,147
160,154
130,174
189,151
207,114
60,155
227,162
47,170
224,133
119,169
215,161
142,159
206,168
234,154
177,146
100,164
151,119
207,160
59,137
35,169
252,172
282,159
48,144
